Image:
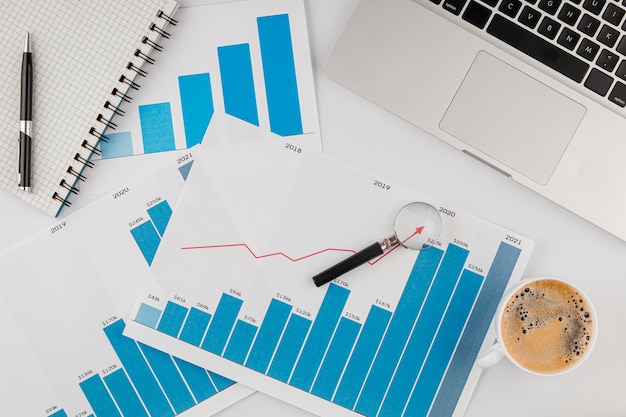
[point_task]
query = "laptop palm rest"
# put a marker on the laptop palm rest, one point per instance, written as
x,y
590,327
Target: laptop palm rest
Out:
x,y
512,118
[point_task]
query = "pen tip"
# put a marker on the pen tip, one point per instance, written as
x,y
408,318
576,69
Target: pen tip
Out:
x,y
27,42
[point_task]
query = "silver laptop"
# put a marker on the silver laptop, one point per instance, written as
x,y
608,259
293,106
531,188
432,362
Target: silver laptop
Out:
x,y
534,88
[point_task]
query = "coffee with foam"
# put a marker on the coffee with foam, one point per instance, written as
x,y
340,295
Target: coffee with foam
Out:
x,y
547,326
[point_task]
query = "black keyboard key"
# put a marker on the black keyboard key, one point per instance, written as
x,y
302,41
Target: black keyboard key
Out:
x,y
598,82
549,6
510,7
569,14
491,3
549,28
594,6
607,60
454,6
588,25
477,14
568,38
529,17
608,35
621,70
588,49
621,46
537,48
613,14
618,94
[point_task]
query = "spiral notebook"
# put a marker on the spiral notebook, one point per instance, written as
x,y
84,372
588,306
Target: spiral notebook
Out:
x,y
88,57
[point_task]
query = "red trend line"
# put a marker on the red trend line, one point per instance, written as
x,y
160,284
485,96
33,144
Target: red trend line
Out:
x,y
284,255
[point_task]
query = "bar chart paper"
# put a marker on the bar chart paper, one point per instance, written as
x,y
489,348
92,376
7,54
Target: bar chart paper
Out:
x,y
247,60
231,286
63,296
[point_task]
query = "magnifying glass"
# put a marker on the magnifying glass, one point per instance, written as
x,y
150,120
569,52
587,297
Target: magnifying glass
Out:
x,y
417,226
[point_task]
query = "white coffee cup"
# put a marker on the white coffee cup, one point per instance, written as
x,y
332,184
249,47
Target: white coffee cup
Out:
x,y
545,326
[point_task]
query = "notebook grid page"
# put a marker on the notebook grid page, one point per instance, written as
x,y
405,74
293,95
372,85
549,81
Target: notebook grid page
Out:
x,y
80,49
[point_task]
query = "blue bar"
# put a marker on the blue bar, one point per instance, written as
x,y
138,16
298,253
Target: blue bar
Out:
x,y
185,169
240,342
399,329
425,329
279,70
147,239
362,357
238,82
196,99
197,379
220,382
98,397
289,347
138,371
319,337
172,319
222,324
148,315
160,214
195,326
124,394
336,358
166,372
444,345
477,326
119,145
269,333
60,413
156,127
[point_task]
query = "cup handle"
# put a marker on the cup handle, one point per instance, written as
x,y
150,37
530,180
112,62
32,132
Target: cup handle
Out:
x,y
493,355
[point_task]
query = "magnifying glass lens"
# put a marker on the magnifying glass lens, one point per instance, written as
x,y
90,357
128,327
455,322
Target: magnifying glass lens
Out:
x,y
417,225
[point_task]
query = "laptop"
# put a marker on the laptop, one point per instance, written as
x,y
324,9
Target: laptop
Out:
x,y
536,89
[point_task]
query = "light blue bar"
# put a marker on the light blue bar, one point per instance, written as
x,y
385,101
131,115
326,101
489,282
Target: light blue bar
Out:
x,y
60,413
399,329
289,347
124,394
197,379
222,324
157,130
269,333
279,70
160,214
362,357
185,169
477,326
238,82
221,383
195,326
119,145
336,358
172,319
444,345
240,342
172,382
148,240
319,337
196,98
98,397
138,371
424,330
148,315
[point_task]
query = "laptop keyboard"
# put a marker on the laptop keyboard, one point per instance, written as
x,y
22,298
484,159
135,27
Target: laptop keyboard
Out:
x,y
581,39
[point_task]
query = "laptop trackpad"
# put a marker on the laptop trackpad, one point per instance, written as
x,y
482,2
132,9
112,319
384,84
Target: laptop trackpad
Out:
x,y
512,117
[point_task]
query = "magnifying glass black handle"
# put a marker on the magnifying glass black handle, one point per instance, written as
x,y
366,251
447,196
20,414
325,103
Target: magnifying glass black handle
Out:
x,y
348,264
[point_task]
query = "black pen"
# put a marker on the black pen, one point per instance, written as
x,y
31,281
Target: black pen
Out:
x,y
26,117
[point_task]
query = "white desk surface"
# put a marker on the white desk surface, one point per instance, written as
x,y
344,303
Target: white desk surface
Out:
x,y
359,133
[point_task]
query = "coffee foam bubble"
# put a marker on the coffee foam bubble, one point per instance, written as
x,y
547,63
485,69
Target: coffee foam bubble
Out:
x,y
547,326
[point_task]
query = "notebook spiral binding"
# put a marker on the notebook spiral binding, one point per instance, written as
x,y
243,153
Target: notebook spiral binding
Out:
x,y
111,108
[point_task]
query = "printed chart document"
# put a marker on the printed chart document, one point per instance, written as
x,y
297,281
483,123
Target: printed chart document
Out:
x,y
63,294
230,288
249,60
